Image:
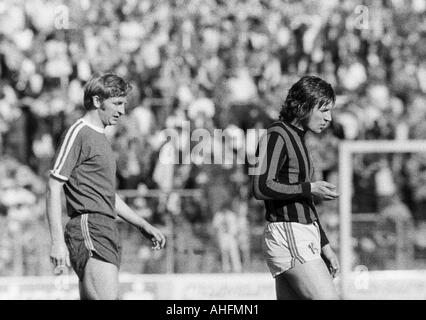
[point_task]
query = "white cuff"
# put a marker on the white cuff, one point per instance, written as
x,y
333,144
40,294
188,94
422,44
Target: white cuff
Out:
x,y
57,175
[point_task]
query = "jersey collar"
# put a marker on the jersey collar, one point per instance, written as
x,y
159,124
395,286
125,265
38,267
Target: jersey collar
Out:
x,y
299,131
96,128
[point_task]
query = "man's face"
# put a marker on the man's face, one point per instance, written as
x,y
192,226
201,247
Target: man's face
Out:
x,y
112,109
320,118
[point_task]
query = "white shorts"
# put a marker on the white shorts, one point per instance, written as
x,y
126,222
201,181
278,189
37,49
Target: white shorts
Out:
x,y
286,242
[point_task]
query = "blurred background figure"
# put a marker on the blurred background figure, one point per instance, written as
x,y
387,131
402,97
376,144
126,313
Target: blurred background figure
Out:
x,y
225,224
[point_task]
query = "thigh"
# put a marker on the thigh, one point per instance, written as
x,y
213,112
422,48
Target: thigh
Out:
x,y
284,290
100,281
312,280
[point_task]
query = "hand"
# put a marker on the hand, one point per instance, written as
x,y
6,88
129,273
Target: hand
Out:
x,y
155,235
330,260
59,256
324,190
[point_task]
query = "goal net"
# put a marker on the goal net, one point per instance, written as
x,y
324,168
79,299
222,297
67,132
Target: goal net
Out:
x,y
356,280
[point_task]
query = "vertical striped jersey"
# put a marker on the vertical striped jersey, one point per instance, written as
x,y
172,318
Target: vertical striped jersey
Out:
x,y
85,161
285,171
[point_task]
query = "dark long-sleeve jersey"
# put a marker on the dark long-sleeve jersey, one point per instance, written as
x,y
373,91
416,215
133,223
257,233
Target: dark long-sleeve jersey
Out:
x,y
285,171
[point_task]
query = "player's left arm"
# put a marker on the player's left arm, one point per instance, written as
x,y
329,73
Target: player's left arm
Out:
x,y
327,252
330,259
149,231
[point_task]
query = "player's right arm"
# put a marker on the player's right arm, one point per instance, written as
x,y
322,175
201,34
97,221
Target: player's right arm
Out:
x,y
69,153
58,251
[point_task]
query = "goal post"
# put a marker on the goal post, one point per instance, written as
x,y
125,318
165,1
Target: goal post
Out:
x,y
346,150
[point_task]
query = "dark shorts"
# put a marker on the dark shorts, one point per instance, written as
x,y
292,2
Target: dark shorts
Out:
x,y
92,235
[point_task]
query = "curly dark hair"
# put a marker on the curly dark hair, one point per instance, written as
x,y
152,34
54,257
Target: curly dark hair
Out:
x,y
303,96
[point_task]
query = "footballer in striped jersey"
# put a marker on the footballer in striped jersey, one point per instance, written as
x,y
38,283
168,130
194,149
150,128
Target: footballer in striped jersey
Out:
x,y
296,248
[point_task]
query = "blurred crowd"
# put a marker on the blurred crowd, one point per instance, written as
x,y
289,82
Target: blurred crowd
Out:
x,y
213,65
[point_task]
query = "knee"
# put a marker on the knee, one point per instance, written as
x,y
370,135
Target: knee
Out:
x,y
110,297
329,296
321,295
108,292
102,295
92,290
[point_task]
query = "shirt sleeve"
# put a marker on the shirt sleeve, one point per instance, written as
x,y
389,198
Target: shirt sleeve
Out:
x,y
68,153
265,183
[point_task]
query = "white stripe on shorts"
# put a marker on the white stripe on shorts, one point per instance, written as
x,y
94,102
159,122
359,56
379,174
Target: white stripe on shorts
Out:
x,y
86,234
292,242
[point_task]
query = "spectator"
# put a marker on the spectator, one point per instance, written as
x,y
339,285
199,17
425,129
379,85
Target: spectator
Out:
x,y
225,224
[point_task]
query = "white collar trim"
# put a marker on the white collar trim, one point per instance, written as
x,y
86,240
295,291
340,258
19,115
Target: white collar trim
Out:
x,y
96,128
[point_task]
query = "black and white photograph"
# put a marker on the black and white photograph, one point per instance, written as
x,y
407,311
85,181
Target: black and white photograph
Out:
x,y
224,152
